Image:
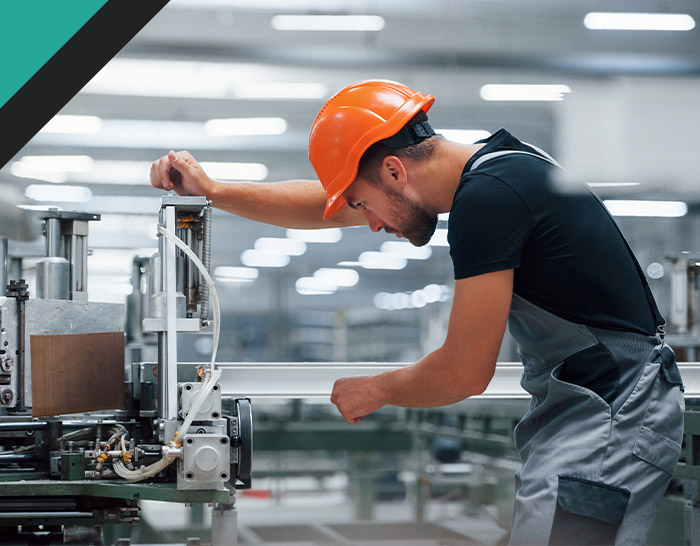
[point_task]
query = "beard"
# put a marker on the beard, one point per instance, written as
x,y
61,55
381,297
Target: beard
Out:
x,y
416,224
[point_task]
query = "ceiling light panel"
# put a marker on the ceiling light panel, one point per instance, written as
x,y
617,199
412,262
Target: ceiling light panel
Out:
x,y
290,247
201,80
314,286
639,21
329,235
245,126
328,23
524,92
381,260
263,258
228,274
407,250
67,124
338,277
85,170
58,194
663,209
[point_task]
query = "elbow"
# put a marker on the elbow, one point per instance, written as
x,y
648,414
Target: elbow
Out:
x,y
476,379
478,387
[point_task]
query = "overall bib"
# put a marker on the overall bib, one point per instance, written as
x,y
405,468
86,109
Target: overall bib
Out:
x,y
601,439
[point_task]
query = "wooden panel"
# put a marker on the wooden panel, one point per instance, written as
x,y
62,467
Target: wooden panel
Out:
x,y
77,372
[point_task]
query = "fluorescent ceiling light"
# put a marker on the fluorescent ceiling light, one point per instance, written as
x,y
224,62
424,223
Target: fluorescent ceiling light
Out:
x,y
664,209
411,300
235,274
407,250
343,23
338,277
245,126
523,92
55,163
418,299
234,171
638,21
200,80
439,238
131,133
279,91
328,235
290,247
381,260
85,170
314,286
263,258
69,124
463,136
61,194
432,293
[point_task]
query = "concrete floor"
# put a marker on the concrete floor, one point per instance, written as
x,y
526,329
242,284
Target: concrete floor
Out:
x,y
328,519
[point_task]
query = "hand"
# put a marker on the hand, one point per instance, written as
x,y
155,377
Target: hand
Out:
x,y
180,172
355,397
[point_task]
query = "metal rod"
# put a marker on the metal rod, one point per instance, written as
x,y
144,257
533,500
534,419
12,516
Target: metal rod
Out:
x,y
29,515
29,425
53,237
4,265
16,457
168,377
206,261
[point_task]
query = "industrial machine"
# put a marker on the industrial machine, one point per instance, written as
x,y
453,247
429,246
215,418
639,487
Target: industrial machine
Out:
x,y
81,441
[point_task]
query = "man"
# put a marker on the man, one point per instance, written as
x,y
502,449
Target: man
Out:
x,y
603,433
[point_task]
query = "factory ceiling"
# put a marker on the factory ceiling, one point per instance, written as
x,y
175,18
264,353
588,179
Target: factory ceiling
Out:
x,y
620,94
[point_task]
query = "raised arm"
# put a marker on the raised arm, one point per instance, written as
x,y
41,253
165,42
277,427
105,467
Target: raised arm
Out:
x,y
291,204
462,367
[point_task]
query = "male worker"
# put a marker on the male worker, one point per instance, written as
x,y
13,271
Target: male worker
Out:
x,y
603,433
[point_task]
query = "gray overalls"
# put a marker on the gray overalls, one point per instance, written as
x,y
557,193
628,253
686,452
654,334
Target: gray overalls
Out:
x,y
593,471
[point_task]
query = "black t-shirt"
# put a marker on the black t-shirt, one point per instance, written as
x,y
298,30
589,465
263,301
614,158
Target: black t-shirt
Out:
x,y
518,212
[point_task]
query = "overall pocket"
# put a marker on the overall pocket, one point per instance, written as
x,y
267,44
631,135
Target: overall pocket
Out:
x,y
661,432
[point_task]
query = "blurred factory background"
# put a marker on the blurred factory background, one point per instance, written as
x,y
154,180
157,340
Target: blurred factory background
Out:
x,y
239,82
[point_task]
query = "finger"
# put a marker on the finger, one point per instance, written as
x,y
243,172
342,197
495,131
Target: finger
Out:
x,y
163,168
181,162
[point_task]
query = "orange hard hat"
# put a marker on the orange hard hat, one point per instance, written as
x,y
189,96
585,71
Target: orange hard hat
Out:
x,y
350,122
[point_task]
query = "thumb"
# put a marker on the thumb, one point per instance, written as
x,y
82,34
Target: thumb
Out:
x,y
178,167
178,160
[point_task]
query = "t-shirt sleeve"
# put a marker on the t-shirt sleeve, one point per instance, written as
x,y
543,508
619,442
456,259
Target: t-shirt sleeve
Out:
x,y
488,227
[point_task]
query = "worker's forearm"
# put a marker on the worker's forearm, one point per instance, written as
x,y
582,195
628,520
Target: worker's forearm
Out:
x,y
437,379
291,204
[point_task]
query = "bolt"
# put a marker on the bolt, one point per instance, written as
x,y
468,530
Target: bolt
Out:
x,y
6,396
6,364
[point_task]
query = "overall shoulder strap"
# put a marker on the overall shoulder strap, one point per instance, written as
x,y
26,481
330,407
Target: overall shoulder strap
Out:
x,y
493,155
658,318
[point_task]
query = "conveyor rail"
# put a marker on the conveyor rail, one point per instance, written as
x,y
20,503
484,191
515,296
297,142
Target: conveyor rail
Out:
x,y
315,379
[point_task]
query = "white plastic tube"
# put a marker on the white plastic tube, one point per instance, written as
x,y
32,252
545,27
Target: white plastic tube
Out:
x,y
142,473
213,375
210,283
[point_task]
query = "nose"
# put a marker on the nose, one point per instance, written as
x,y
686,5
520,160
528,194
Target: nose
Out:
x,y
375,224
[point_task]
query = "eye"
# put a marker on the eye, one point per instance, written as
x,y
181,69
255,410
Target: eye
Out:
x,y
360,205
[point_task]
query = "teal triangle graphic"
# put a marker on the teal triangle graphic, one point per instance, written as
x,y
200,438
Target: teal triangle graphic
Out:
x,y
31,32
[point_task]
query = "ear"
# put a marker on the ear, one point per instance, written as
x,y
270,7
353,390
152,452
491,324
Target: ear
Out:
x,y
394,172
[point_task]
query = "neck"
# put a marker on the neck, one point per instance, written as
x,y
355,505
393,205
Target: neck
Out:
x,y
441,174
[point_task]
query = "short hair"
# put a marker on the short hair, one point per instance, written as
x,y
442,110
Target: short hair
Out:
x,y
373,157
